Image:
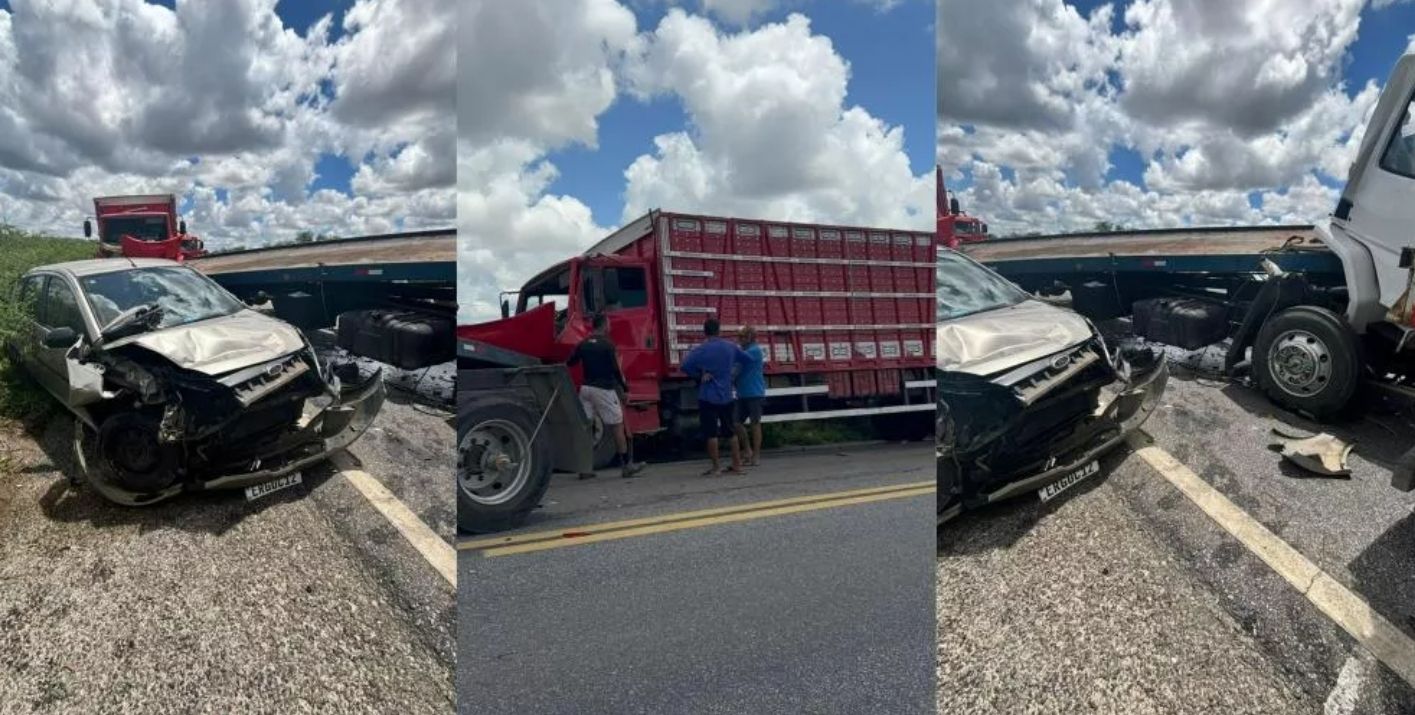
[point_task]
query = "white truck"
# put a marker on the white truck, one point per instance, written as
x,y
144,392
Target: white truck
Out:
x,y
1313,311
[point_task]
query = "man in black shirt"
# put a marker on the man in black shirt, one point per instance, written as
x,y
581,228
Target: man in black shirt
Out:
x,y
603,385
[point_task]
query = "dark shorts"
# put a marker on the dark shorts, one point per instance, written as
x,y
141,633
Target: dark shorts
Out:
x,y
749,410
716,419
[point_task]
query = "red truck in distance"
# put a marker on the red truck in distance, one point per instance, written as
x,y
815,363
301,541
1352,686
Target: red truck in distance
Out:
x,y
954,226
143,226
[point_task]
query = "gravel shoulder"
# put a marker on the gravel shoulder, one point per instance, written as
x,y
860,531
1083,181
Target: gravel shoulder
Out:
x,y
204,604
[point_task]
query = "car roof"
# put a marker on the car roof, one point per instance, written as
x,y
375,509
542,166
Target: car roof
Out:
x,y
95,266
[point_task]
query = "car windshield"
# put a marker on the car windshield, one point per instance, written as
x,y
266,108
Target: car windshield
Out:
x,y
184,295
143,228
965,288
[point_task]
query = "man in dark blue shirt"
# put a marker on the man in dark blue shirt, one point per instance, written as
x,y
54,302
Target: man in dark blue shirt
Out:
x,y
711,365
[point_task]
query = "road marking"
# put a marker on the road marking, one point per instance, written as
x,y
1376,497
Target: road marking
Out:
x,y
595,533
1342,605
680,516
434,549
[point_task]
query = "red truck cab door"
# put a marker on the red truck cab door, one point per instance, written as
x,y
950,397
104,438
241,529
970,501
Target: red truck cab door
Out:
x,y
622,289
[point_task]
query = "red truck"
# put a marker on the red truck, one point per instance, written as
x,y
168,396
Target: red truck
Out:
x,y
954,226
844,315
143,226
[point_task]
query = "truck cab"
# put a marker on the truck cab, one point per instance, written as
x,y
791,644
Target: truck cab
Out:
x,y
142,226
553,312
954,226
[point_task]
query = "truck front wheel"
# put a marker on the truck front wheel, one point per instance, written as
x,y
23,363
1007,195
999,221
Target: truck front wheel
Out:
x,y
503,466
1307,359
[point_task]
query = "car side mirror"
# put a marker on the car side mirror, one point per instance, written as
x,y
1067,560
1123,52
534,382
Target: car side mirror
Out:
x,y
505,309
260,298
61,337
182,227
88,228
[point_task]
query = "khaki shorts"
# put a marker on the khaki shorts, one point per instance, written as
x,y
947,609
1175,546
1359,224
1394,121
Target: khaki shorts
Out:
x,y
601,403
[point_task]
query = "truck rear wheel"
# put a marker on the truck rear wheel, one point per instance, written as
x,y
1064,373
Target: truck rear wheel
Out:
x,y
1307,359
502,472
605,449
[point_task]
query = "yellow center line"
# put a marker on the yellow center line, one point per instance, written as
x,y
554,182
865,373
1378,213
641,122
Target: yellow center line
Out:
x,y
596,533
680,516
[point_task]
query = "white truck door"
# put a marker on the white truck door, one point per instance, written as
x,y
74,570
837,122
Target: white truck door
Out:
x,y
1377,207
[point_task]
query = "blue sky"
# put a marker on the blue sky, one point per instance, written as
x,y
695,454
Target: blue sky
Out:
x,y
201,107
1226,142
891,60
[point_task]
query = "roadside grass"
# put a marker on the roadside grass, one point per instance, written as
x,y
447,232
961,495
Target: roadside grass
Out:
x,y
815,432
20,398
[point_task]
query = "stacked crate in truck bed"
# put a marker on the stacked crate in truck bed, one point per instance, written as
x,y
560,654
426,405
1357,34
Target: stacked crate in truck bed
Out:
x,y
854,304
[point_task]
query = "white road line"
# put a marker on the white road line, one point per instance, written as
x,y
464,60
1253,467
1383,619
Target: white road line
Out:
x,y
1342,605
433,548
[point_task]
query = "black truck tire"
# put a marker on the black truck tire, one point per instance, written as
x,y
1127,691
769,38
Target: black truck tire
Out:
x,y
486,429
605,449
1307,359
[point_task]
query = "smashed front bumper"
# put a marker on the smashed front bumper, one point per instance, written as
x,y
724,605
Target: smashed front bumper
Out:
x,y
327,426
326,431
1132,402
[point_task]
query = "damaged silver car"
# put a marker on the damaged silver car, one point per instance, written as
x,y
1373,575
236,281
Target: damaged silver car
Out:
x,y
1029,394
177,385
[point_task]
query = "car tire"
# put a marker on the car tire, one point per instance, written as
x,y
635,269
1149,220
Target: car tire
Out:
x,y
1307,359
490,501
132,456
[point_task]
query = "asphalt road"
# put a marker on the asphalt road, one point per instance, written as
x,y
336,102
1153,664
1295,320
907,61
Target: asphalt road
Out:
x,y
306,600
1124,597
819,611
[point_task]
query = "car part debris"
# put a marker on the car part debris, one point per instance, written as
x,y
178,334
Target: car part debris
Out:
x,y
1322,453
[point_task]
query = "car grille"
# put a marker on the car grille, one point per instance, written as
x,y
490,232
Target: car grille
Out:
x,y
251,384
1041,377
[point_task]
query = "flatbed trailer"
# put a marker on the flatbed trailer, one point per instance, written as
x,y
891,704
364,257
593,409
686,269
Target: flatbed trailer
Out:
x,y
1224,249
395,294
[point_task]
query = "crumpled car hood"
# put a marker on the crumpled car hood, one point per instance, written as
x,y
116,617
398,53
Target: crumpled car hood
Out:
x,y
985,343
221,345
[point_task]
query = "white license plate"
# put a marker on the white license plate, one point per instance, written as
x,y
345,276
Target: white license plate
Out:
x,y
259,490
1050,491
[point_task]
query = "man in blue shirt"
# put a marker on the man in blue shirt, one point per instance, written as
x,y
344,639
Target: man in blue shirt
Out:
x,y
710,363
751,390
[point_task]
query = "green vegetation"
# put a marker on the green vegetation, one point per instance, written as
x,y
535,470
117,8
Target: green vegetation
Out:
x,y
815,432
20,251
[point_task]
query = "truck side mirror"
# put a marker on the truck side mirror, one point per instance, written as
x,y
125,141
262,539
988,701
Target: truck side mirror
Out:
x,y
61,337
505,309
182,227
953,206
1407,257
611,287
88,228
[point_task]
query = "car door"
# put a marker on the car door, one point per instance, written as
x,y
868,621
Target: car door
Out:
x,y
60,310
30,298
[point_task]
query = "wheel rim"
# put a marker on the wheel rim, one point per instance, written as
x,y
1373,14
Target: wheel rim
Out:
x,y
494,462
132,450
1300,363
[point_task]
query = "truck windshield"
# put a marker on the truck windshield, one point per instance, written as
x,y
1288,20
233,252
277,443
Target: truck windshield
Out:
x,y
143,228
553,289
965,288
184,295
